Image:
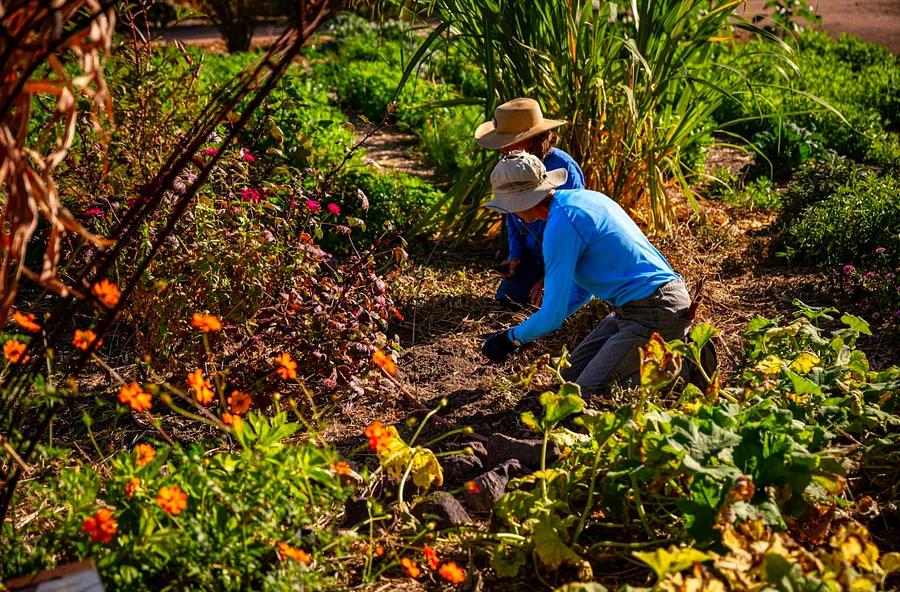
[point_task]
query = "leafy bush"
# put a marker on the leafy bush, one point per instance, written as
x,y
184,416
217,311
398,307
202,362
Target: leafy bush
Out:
x,y
760,193
253,517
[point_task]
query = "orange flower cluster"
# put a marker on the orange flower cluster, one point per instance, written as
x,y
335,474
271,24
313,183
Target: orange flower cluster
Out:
x,y
410,568
232,420
107,292
287,367
14,351
135,397
472,487
341,468
131,487
172,499
385,362
206,323
289,552
379,436
84,340
431,557
453,573
145,454
26,320
201,387
239,402
101,526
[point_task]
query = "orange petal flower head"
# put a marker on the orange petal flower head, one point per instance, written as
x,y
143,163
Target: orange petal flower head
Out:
x,y
172,499
131,487
385,362
289,552
379,436
14,351
84,340
431,557
472,487
341,468
453,573
239,402
101,526
201,387
107,292
232,420
287,367
145,454
410,568
26,320
135,397
206,323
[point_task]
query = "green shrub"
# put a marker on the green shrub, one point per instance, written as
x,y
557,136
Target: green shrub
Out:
x,y
759,194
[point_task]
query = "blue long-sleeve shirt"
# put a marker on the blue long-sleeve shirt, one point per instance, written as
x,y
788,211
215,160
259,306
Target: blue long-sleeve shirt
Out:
x,y
590,241
525,239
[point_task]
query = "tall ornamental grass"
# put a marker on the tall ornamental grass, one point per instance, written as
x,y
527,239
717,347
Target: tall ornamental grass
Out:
x,y
638,82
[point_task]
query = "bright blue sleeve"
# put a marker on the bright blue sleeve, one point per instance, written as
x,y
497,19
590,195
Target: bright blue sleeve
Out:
x,y
561,251
517,240
575,178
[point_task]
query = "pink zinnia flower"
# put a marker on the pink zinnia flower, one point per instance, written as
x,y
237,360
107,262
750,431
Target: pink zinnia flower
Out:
x,y
876,315
313,205
251,195
880,250
93,212
848,269
248,157
211,151
889,275
334,209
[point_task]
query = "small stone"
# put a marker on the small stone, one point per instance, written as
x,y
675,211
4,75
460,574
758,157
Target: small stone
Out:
x,y
459,468
443,508
479,450
491,486
501,448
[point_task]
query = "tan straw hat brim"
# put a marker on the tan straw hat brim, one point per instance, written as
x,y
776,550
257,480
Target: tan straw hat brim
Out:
x,y
510,202
487,135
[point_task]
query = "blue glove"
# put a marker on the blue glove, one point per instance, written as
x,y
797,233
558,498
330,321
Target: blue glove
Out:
x,y
498,346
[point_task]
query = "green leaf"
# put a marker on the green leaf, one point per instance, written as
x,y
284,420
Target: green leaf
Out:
x,y
508,561
561,404
530,421
701,334
856,324
803,386
582,587
672,560
550,548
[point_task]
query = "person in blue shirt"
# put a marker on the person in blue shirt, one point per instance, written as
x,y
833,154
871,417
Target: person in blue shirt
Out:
x,y
589,241
520,125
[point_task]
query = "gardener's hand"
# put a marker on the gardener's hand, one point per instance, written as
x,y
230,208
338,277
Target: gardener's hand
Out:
x,y
513,265
498,346
537,293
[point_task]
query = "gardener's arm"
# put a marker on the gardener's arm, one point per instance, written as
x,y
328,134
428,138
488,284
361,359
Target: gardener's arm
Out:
x,y
562,247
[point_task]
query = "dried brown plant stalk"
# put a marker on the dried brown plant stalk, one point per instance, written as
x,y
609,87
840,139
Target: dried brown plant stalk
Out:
x,y
37,40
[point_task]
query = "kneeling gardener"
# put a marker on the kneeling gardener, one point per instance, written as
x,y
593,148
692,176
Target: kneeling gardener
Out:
x,y
591,242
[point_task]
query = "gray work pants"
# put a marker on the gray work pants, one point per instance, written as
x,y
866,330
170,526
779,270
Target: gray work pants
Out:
x,y
610,353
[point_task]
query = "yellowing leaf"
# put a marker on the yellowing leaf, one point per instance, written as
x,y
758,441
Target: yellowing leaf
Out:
x,y
770,366
671,560
890,563
805,362
426,469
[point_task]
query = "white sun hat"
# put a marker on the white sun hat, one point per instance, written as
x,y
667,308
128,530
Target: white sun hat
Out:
x,y
520,181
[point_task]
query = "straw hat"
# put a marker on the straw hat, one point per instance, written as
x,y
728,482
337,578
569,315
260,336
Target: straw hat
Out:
x,y
521,181
513,122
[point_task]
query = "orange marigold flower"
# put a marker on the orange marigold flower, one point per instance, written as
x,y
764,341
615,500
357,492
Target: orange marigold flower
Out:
x,y
431,557
206,323
453,573
385,361
410,568
200,386
341,467
131,487
101,526
294,553
26,320
107,292
145,454
135,397
472,487
379,436
172,499
287,367
239,402
14,351
379,550
232,420
85,339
